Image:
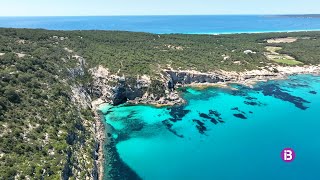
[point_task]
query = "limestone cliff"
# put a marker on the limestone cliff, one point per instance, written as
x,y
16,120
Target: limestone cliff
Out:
x,y
111,88
115,90
248,78
82,157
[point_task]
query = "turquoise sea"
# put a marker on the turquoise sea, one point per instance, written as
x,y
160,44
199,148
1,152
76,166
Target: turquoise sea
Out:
x,y
220,134
205,24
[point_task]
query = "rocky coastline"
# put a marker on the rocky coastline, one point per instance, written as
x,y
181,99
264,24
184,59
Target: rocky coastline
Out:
x,y
100,139
138,91
113,89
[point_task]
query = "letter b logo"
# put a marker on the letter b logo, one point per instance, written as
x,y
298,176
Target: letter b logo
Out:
x,y
288,155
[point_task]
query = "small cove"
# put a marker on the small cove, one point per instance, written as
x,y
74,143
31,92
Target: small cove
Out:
x,y
221,133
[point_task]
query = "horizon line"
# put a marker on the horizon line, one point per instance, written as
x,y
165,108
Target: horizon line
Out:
x,y
300,14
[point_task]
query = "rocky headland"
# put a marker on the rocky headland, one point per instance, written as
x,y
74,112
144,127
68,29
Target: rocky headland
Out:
x,y
162,91
158,90
53,83
115,89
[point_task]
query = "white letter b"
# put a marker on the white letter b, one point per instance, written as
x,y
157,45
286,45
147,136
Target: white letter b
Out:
x,y
287,155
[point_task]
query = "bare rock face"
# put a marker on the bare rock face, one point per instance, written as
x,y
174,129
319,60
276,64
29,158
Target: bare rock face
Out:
x,y
188,77
142,90
128,89
102,83
81,96
79,70
161,91
116,90
173,97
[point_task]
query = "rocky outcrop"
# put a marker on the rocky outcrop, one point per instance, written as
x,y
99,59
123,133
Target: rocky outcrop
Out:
x,y
189,77
98,154
115,90
102,83
78,70
162,91
129,89
81,96
80,163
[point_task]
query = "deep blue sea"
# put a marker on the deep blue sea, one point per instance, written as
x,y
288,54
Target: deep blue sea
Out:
x,y
222,134
169,24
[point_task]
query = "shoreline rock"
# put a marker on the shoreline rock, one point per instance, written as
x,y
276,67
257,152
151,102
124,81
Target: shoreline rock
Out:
x,y
109,87
137,90
247,78
100,139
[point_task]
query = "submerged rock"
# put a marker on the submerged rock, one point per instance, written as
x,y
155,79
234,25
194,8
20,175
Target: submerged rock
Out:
x,y
168,124
200,126
216,113
203,115
177,113
241,116
250,103
253,103
298,85
271,89
237,109
312,92
251,98
137,125
213,120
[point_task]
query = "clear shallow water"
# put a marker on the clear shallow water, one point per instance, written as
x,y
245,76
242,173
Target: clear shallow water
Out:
x,y
172,143
168,24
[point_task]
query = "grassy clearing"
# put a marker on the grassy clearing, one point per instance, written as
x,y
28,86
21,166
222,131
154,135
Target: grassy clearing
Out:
x,y
288,61
275,56
282,40
273,49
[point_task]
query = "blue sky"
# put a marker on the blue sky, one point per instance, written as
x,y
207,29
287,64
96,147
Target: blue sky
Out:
x,y
155,7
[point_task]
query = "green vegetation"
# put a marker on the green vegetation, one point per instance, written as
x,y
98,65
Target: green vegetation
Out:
x,y
143,53
39,124
273,49
305,50
45,135
284,59
287,61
